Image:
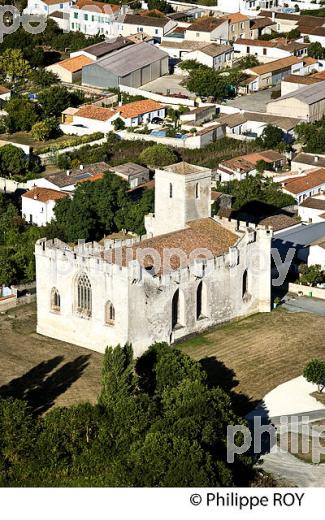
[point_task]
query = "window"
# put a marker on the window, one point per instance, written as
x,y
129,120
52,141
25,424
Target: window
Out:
x,y
85,17
198,35
72,25
248,50
55,300
156,31
245,284
264,52
109,313
170,190
201,301
178,306
75,15
84,296
197,191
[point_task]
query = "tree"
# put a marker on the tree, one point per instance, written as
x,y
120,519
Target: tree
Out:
x,y
160,5
53,100
44,130
13,161
118,124
13,66
118,380
311,275
44,78
314,372
261,166
158,155
271,137
315,50
246,62
22,114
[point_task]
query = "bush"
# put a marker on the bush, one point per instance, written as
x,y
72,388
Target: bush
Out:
x,y
314,372
70,141
158,155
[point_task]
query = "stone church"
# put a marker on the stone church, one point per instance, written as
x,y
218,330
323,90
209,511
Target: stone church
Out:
x,y
189,272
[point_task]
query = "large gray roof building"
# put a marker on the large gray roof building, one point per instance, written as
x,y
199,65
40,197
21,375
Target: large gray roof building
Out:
x,y
307,103
131,66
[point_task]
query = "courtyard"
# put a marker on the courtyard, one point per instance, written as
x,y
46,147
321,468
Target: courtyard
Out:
x,y
250,357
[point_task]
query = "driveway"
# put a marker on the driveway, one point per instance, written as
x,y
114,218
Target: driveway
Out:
x,y
253,102
168,85
305,304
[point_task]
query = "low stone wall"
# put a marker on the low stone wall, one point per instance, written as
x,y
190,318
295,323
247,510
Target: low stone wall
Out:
x,y
306,290
10,302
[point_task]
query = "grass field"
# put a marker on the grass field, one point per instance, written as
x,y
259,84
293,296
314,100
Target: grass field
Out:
x,y
250,357
256,354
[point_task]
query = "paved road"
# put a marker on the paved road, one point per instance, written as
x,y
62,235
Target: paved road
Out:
x,y
288,467
305,304
253,103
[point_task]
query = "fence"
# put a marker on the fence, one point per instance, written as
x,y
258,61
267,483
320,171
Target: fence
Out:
x,y
306,290
169,100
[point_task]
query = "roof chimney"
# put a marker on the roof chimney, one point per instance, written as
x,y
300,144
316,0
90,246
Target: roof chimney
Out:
x,y
81,166
35,196
316,158
68,172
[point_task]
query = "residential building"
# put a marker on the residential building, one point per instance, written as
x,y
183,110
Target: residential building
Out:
x,y
252,124
243,166
69,70
47,7
208,29
66,181
116,293
62,19
294,82
312,209
313,183
307,161
91,17
307,103
150,25
302,239
180,49
260,26
135,174
272,73
238,26
213,55
249,7
268,51
198,115
89,119
37,205
131,66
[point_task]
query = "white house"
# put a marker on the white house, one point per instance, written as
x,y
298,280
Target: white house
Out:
x,y
243,166
208,29
91,18
47,7
213,55
150,25
129,292
66,181
313,183
271,50
312,209
89,119
37,205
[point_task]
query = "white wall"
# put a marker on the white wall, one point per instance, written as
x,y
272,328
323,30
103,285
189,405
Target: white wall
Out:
x,y
36,211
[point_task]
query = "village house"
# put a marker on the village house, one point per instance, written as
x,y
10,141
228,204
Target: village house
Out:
x,y
313,183
238,26
154,26
307,161
213,55
267,51
294,82
260,26
69,70
243,166
37,205
89,119
47,7
250,125
208,29
312,209
66,181
135,174
127,292
91,17
131,66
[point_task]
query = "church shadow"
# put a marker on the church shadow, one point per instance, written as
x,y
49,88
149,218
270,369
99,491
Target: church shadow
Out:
x,y
40,386
218,374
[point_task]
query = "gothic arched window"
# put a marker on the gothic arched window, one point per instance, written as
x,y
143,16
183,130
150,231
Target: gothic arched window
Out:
x,y
197,191
245,284
178,309
170,190
84,296
109,313
55,300
201,301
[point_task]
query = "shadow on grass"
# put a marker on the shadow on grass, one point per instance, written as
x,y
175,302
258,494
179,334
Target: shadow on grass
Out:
x,y
40,386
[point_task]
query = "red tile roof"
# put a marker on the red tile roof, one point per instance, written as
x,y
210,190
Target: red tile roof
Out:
x,y
309,181
44,194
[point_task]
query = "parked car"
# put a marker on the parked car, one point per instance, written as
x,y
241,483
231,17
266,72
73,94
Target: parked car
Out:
x,y
157,121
